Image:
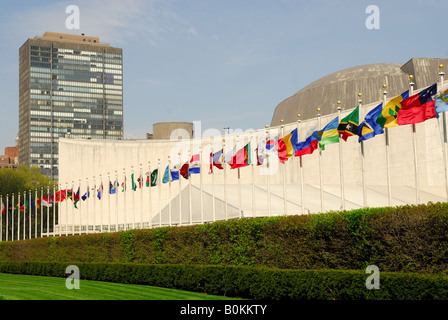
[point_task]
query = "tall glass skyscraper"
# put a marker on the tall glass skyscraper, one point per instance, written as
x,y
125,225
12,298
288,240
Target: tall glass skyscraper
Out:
x,y
69,85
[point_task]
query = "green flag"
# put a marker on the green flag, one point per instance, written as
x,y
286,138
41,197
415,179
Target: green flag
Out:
x,y
349,125
134,186
154,178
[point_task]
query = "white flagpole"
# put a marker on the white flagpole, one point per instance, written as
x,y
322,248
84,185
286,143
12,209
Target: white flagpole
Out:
x,y
189,189
387,138
125,191
140,185
169,190
1,219
160,193
201,187
285,211
29,215
213,183
414,141
42,211
117,187
363,164
94,205
269,171
80,216
102,200
320,165
341,164
18,215
225,177
239,183
7,217
300,166
252,171
149,196
87,205
133,197
180,189
48,212
12,218
35,213
445,155
108,200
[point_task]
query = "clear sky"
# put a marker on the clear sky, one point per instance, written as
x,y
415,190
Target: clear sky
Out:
x,y
225,63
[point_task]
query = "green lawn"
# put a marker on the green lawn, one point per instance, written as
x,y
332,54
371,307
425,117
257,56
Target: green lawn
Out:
x,y
26,287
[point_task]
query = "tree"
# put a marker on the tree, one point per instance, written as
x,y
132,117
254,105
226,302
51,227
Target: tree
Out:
x,y
23,179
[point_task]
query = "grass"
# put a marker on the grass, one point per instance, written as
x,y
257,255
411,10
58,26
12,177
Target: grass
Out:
x,y
27,287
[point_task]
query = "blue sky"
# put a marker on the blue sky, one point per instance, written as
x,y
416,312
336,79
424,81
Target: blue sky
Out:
x,y
226,63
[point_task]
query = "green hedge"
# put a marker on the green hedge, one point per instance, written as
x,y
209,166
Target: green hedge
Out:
x,y
252,282
400,239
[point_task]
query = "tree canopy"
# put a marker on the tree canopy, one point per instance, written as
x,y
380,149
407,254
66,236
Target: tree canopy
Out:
x,y
22,179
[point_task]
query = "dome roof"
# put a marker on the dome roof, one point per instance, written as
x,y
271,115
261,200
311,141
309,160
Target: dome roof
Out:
x,y
344,86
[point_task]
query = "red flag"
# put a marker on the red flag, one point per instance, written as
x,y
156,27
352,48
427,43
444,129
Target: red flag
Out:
x,y
418,108
241,158
184,170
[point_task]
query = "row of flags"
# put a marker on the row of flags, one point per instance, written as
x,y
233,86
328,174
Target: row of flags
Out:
x,y
401,110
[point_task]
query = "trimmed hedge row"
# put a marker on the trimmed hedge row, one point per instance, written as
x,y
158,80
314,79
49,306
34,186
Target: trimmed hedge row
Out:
x,y
399,239
252,282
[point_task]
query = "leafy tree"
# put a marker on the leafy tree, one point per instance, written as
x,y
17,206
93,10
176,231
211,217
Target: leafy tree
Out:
x,y
23,179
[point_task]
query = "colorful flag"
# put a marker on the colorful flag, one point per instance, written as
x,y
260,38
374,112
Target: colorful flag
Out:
x,y
442,102
140,181
349,125
306,147
388,116
195,164
216,159
270,144
241,158
100,191
154,178
285,149
184,170
76,198
175,173
113,187
24,206
418,108
260,155
133,186
61,195
329,134
2,207
166,175
46,202
369,127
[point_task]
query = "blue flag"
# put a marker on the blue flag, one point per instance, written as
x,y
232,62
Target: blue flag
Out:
x,y
166,177
442,102
175,173
369,128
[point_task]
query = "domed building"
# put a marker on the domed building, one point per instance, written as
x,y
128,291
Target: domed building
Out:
x,y
345,85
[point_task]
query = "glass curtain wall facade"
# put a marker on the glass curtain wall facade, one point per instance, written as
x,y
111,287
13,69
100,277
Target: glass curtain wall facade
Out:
x,y
67,89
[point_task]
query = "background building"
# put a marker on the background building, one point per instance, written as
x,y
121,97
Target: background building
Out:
x,y
69,86
10,159
345,85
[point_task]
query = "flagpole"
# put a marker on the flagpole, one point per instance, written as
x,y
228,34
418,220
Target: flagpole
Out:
x,y
320,165
18,216
387,140
12,218
414,141
48,212
225,177
29,215
341,164
252,173
116,200
150,193
87,205
445,155
42,211
268,181
284,175
300,165
180,189
213,183
102,200
160,193
239,182
200,177
140,184
363,162
7,217
35,213
108,202
169,189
